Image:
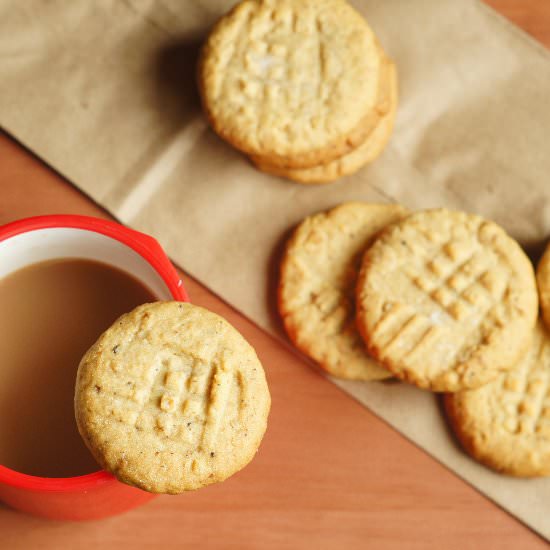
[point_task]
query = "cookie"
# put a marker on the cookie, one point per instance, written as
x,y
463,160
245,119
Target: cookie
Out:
x,y
362,155
171,398
317,282
506,423
543,281
446,300
291,81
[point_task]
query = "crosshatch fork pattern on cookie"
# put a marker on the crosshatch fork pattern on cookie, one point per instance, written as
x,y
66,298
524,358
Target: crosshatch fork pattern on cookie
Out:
x,y
171,398
469,283
505,424
446,300
456,288
525,403
184,400
264,61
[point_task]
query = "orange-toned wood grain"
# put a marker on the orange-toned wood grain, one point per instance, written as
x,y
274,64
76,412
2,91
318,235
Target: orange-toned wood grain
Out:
x,y
533,16
329,473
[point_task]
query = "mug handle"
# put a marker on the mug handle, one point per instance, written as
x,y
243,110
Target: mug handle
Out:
x,y
153,252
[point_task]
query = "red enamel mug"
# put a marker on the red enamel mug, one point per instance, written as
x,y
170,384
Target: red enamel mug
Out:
x,y
41,238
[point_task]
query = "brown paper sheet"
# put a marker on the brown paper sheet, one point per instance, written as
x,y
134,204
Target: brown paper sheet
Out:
x,y
104,91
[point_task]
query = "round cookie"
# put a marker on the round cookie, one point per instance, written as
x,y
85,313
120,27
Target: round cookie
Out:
x,y
506,423
446,300
291,81
317,283
543,281
171,398
353,161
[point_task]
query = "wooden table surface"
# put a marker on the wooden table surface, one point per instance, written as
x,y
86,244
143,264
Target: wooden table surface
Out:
x,y
329,473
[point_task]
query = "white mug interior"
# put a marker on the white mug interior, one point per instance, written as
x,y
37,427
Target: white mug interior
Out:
x,y
66,242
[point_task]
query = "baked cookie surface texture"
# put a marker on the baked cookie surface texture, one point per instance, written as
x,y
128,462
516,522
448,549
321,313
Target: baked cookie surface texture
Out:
x,y
506,423
363,154
446,300
171,398
317,284
291,81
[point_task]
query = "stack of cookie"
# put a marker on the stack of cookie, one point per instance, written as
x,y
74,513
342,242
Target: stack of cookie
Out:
x,y
301,86
444,300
